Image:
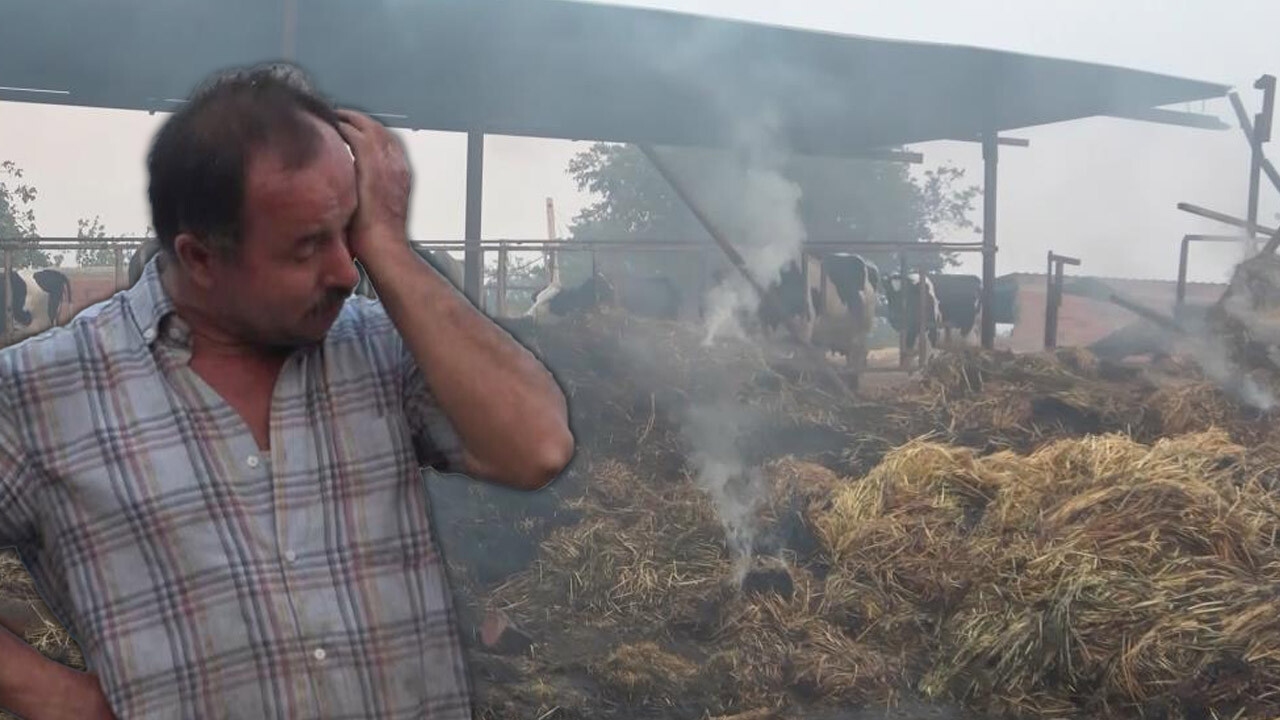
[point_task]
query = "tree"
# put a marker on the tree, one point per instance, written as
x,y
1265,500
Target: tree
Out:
x,y
840,199
18,218
100,257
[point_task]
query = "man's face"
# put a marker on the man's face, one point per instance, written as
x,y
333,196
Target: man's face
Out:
x,y
287,282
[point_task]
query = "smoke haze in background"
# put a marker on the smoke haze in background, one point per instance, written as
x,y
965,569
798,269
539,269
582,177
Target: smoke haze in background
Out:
x,y
1100,189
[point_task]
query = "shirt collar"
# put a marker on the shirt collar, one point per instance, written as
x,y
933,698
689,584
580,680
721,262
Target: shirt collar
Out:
x,y
152,308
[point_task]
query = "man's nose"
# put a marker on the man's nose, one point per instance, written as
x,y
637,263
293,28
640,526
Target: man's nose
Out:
x,y
342,267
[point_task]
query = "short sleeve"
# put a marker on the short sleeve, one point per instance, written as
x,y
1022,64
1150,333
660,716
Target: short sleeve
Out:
x,y
17,518
435,441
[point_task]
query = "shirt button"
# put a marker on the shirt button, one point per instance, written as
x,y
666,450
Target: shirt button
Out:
x,y
291,556
149,335
253,461
319,654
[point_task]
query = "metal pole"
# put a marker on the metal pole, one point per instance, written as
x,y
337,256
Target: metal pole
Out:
x,y
501,303
922,332
289,30
702,285
990,157
1222,217
1261,134
1182,271
549,258
1057,302
904,317
1050,312
472,271
1273,243
119,265
6,327
1247,128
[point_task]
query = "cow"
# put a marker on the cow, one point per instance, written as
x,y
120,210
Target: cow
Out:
x,y
833,301
959,303
896,288
952,303
589,295
844,296
37,299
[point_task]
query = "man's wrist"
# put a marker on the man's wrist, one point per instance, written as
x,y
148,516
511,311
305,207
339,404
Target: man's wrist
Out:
x,y
390,249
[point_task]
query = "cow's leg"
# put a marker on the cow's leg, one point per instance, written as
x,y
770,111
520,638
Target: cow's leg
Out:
x,y
19,295
55,298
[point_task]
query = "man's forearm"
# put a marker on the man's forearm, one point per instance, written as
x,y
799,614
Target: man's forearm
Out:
x,y
508,410
31,685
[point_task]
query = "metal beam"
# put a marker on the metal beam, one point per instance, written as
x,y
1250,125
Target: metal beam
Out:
x,y
472,265
1173,117
1006,141
1180,297
990,158
1246,126
1146,313
1053,297
1222,218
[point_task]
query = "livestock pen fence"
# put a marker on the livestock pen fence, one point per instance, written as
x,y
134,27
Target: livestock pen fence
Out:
x,y
515,269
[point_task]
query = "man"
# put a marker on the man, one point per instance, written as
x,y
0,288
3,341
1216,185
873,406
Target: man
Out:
x,y
214,475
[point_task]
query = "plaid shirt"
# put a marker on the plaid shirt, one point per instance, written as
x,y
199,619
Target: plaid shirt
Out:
x,y
203,579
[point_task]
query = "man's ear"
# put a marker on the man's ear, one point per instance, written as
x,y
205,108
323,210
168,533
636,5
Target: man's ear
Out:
x,y
196,259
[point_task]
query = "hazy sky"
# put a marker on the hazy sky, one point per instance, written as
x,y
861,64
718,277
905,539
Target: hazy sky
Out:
x,y
1102,189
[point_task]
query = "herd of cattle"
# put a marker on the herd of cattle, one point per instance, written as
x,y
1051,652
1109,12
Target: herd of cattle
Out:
x,y
831,302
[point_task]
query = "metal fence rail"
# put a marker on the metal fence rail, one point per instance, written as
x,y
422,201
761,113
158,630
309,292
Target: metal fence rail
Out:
x,y
500,283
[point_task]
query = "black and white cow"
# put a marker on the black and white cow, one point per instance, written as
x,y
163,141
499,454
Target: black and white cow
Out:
x,y
899,290
833,300
37,300
952,303
653,297
959,302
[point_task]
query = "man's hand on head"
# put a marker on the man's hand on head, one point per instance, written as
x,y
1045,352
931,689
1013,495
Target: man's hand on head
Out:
x,y
383,182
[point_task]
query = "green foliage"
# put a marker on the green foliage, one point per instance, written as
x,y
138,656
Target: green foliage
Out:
x,y
840,199
101,257
18,218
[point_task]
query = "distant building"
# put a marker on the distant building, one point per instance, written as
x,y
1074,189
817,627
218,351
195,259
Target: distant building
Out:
x,y
1084,319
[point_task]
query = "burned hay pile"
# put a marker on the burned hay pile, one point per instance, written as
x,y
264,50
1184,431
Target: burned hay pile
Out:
x,y
1097,576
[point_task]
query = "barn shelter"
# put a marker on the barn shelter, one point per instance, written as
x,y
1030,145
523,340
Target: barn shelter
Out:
x,y
570,70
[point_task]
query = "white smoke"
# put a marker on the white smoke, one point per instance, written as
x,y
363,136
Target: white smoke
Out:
x,y
745,195
714,432
1212,357
743,192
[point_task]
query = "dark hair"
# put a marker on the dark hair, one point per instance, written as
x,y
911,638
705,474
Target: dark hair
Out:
x,y
199,158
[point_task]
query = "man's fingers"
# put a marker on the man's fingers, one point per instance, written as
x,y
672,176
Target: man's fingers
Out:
x,y
360,121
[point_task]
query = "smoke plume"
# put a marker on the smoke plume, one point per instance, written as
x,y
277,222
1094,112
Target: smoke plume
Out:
x,y
713,431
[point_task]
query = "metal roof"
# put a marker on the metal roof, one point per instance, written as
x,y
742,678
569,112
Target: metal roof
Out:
x,y
551,68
